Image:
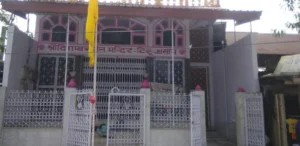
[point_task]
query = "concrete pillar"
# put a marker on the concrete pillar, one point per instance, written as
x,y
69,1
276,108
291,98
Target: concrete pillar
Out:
x,y
239,118
2,104
198,105
68,91
147,135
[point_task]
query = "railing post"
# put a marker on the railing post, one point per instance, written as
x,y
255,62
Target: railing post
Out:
x,y
66,106
2,104
146,91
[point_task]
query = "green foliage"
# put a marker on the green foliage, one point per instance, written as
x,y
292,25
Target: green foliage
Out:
x,y
294,7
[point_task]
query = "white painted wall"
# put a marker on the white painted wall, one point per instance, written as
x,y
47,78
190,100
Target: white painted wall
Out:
x,y
31,137
170,137
233,67
16,53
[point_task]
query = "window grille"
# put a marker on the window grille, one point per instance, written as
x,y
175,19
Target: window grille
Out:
x,y
51,74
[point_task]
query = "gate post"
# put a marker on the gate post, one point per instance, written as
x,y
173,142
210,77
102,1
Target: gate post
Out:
x,y
250,128
147,136
2,104
239,116
198,120
66,106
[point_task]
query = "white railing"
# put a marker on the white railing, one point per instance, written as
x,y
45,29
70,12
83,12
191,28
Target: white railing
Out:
x,y
168,111
38,109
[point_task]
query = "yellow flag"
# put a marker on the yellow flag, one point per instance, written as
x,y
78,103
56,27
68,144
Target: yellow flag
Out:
x,y
90,28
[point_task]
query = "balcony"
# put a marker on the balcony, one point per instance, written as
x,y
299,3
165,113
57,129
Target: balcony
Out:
x,y
138,3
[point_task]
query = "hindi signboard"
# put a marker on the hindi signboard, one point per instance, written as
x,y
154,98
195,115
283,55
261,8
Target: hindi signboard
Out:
x,y
52,48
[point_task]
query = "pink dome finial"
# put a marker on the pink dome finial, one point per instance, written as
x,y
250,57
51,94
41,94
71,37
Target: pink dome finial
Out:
x,y
72,83
145,84
241,89
198,88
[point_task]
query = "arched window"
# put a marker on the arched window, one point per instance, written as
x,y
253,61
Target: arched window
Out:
x,y
163,33
54,29
123,31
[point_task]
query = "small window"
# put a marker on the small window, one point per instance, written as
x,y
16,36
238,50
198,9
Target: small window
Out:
x,y
123,23
158,29
116,36
64,20
72,26
165,24
138,28
46,37
72,38
54,19
139,40
180,43
108,22
157,41
167,38
47,25
179,30
59,34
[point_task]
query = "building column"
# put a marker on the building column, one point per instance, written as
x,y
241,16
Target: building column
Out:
x,y
3,92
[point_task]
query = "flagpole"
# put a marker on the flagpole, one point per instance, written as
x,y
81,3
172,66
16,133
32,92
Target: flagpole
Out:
x,y
173,77
95,83
67,50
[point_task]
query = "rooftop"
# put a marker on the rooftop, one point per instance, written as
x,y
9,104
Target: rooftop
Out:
x,y
182,9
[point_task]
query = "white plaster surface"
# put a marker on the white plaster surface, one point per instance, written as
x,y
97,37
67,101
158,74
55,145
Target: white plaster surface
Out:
x,y
31,137
170,137
233,67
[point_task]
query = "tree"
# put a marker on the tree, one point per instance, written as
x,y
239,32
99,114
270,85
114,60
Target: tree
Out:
x,y
294,7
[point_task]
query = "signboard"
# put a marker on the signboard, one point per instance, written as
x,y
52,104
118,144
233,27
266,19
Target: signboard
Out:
x,y
49,48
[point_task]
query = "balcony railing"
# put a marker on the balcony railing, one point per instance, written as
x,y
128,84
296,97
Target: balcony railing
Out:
x,y
142,3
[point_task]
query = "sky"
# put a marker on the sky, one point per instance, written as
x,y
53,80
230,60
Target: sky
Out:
x,y
273,16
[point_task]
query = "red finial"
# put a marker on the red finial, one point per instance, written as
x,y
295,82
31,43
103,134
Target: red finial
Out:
x,y
198,88
92,99
241,89
145,84
72,83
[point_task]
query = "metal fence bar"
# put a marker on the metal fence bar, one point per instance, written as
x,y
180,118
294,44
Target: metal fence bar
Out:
x,y
34,109
169,113
126,119
254,119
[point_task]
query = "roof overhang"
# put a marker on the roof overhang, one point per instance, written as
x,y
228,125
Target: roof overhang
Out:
x,y
21,8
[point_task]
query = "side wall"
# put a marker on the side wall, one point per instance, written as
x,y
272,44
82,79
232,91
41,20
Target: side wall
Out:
x,y
20,47
31,137
233,67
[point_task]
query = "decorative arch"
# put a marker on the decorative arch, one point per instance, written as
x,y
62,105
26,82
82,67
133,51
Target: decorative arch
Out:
x,y
54,29
163,33
124,31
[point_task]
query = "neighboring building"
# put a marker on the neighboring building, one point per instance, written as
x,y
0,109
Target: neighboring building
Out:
x,y
134,39
269,48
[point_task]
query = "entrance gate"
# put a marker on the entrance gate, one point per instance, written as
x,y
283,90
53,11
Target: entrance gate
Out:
x,y
80,119
126,119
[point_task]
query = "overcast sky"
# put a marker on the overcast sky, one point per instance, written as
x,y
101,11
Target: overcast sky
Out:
x,y
273,17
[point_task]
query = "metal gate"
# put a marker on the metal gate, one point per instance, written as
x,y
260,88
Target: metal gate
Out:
x,y
80,119
124,73
126,119
254,120
198,137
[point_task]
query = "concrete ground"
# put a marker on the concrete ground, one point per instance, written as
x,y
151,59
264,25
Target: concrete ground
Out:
x,y
214,139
